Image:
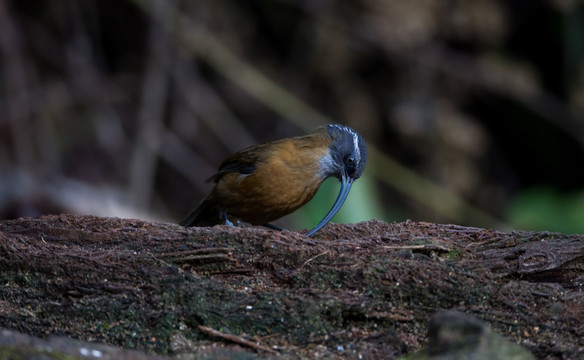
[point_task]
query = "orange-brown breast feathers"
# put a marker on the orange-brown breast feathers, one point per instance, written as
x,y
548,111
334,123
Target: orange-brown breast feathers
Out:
x,y
286,174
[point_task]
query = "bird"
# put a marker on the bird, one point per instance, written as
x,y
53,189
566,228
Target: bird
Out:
x,y
265,182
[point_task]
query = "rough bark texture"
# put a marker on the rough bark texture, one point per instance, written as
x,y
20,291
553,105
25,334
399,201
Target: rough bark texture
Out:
x,y
364,290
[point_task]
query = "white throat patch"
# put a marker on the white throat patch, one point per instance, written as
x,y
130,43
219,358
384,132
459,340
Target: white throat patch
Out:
x,y
327,165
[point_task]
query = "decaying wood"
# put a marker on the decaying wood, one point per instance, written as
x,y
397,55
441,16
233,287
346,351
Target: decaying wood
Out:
x,y
364,289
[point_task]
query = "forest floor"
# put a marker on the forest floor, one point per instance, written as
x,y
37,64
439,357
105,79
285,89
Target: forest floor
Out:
x,y
360,291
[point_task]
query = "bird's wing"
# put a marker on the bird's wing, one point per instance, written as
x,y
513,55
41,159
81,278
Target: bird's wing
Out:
x,y
243,162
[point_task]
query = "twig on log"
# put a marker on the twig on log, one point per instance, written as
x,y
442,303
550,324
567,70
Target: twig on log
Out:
x,y
418,247
390,316
195,252
207,258
314,257
235,339
234,272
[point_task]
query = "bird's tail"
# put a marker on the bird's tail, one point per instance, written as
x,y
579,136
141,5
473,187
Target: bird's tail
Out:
x,y
204,215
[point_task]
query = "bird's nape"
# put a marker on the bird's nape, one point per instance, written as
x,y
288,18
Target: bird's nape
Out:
x,y
346,183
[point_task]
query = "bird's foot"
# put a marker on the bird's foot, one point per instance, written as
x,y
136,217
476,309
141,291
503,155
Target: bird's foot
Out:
x,y
223,216
238,223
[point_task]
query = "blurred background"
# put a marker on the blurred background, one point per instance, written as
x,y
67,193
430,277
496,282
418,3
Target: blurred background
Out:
x,y
472,110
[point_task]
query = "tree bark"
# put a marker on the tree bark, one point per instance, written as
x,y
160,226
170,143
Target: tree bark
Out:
x,y
365,289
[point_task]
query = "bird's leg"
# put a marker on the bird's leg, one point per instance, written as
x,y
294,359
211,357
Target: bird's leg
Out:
x,y
223,216
273,227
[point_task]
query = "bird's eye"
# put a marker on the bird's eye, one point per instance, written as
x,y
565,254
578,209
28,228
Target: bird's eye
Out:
x,y
349,159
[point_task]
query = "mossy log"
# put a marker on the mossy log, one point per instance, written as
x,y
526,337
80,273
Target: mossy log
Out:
x,y
362,290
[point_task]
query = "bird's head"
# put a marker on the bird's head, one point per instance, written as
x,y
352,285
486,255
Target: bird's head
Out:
x,y
347,151
345,160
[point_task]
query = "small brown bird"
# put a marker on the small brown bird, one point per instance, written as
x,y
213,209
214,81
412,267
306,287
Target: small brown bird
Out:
x,y
265,182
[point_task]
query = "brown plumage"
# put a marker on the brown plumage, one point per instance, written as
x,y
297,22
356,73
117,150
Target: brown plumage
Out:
x,y
265,182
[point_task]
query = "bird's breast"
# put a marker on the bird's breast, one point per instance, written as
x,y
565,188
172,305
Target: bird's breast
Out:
x,y
285,181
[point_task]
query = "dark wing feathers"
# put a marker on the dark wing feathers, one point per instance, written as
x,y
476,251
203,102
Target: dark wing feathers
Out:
x,y
243,162
232,167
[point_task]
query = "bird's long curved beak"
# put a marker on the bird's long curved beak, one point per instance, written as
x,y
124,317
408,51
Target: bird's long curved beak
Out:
x,y
346,183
